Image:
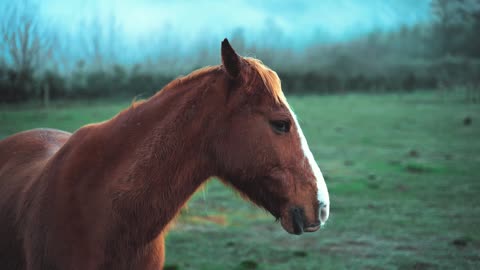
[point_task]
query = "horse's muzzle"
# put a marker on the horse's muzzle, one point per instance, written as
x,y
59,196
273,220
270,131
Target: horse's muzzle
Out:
x,y
299,220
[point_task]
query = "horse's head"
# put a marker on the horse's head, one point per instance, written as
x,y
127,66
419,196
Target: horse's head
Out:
x,y
262,152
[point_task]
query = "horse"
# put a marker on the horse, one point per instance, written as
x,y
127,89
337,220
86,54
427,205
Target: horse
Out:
x,y
103,197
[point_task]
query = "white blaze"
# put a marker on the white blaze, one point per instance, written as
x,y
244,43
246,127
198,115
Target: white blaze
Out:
x,y
322,195
272,81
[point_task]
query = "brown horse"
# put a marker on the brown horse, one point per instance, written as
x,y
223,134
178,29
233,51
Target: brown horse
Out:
x,y
102,198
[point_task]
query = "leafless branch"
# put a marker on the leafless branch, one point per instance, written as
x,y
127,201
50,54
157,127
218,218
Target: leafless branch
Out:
x,y
26,41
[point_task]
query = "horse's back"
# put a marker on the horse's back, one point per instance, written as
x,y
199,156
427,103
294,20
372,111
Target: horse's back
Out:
x,y
23,155
22,158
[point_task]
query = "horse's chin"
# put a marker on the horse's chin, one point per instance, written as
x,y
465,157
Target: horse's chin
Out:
x,y
288,226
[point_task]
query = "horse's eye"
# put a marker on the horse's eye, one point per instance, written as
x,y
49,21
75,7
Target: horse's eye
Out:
x,y
280,126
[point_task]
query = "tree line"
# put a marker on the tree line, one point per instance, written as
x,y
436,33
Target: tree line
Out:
x,y
442,53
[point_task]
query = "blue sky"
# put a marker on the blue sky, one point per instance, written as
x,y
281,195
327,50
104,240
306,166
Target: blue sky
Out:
x,y
139,31
299,20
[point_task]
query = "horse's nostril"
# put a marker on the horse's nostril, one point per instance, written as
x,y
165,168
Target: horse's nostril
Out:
x,y
323,212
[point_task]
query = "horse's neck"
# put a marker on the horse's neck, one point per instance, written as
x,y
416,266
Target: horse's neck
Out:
x,y
161,158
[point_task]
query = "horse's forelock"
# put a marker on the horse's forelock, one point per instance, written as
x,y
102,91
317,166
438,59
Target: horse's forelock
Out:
x,y
270,79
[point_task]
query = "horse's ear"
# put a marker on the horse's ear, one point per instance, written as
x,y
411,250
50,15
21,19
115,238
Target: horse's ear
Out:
x,y
230,59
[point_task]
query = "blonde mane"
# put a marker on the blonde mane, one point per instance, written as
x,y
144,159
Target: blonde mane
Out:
x,y
270,79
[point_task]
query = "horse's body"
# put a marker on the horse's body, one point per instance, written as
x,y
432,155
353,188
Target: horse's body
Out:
x,y
103,197
28,152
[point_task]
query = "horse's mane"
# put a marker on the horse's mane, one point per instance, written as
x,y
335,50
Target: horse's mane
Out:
x,y
269,77
178,81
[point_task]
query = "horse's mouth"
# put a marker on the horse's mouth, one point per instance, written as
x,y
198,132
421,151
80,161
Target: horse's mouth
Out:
x,y
308,229
312,228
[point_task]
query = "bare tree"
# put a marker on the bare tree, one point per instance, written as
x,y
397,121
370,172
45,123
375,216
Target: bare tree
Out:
x,y
27,45
26,42
102,44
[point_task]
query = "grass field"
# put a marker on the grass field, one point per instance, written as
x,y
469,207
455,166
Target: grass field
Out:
x,y
403,172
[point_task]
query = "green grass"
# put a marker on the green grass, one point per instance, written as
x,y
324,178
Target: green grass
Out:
x,y
403,173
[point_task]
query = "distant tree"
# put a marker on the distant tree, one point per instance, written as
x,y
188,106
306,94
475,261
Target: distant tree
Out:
x,y
101,43
26,42
473,17
27,45
456,26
